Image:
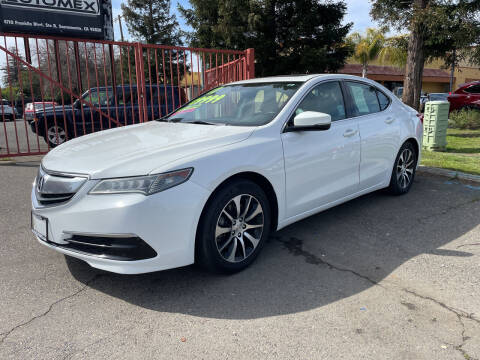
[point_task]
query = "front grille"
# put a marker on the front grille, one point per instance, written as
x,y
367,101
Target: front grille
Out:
x,y
122,248
52,199
54,188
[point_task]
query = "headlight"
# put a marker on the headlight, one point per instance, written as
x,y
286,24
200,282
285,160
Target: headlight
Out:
x,y
146,185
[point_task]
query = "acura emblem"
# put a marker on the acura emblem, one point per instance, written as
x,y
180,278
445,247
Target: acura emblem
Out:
x,y
40,183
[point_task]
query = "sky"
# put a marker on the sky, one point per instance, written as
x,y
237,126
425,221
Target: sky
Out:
x,y
358,12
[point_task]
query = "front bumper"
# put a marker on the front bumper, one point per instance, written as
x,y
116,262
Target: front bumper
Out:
x,y
166,222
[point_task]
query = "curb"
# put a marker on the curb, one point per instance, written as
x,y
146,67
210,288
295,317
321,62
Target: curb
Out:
x,y
448,173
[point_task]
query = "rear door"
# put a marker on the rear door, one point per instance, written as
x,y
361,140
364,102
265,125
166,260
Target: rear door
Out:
x,y
379,132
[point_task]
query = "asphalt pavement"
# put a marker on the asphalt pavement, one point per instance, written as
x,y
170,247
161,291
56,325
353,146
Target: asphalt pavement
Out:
x,y
17,137
379,277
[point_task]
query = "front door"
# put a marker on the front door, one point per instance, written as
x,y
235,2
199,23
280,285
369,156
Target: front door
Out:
x,y
321,166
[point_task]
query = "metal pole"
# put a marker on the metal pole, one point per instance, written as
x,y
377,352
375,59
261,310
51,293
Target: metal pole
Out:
x,y
121,29
77,66
28,54
452,72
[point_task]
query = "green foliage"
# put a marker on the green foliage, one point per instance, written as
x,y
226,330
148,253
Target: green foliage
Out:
x,y
368,46
395,51
462,153
304,36
151,21
9,93
465,119
445,25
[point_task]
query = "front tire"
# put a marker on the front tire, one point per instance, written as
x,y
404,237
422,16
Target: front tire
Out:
x,y
233,228
403,172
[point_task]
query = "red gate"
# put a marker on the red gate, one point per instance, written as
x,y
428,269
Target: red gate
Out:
x,y
54,89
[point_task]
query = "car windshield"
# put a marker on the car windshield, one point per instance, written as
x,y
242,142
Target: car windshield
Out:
x,y
240,105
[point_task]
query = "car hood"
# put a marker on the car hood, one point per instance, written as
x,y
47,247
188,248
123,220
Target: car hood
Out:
x,y
139,149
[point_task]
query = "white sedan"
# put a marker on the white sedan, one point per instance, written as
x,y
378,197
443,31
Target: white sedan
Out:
x,y
210,182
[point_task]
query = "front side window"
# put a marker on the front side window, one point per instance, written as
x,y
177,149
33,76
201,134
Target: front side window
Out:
x,y
325,98
252,104
364,98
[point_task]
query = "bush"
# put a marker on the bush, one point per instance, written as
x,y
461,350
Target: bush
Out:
x,y
465,119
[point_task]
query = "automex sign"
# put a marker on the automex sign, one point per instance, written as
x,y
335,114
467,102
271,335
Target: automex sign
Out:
x,y
76,6
73,18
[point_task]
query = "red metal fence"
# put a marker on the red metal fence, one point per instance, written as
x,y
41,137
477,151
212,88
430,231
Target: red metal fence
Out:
x,y
55,89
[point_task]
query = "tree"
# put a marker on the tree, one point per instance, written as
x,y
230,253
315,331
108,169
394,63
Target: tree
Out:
x,y
437,28
304,36
152,22
395,51
367,47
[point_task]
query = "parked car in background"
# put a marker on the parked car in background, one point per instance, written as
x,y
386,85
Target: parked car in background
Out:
x,y
110,109
467,96
437,97
32,108
7,112
398,92
432,97
209,182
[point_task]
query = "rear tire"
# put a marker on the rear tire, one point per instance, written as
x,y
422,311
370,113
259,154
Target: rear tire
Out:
x,y
234,227
403,172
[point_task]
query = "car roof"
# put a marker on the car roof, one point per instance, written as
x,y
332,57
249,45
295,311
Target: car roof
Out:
x,y
299,78
133,86
468,84
280,78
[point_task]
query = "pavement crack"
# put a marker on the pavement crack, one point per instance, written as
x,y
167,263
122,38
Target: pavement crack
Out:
x,y
295,247
457,312
460,314
448,209
464,245
6,334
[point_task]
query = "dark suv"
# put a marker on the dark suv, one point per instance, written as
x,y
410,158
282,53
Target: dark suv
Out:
x,y
466,96
59,123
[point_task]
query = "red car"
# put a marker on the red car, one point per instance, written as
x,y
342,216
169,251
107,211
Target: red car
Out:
x,y
37,106
466,96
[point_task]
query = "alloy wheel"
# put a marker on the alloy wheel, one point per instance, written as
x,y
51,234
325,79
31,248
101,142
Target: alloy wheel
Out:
x,y
239,228
405,168
56,135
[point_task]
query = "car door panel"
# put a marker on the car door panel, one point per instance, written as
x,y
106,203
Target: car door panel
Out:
x,y
379,133
321,166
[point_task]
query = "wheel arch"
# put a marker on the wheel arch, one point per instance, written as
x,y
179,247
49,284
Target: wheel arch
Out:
x,y
258,179
415,144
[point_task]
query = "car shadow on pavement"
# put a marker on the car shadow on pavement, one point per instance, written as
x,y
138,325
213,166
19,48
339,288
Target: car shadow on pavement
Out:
x,y
325,258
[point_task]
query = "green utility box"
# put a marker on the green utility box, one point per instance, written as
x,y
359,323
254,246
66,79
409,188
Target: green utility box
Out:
x,y
435,123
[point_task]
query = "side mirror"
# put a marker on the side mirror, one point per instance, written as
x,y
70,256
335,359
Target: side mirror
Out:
x,y
311,121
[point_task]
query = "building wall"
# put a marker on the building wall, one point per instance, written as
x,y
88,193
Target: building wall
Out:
x,y
434,87
464,73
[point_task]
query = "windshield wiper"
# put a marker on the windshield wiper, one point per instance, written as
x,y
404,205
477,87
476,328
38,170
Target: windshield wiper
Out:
x,y
201,122
164,119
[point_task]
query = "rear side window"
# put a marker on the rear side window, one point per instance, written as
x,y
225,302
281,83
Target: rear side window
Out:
x,y
383,100
364,98
474,89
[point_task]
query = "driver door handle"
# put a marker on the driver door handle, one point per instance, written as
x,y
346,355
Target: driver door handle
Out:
x,y
389,120
349,133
